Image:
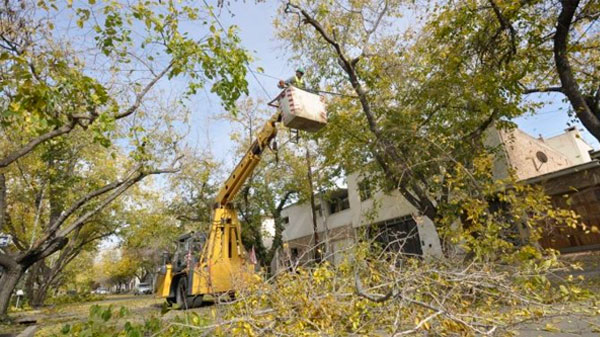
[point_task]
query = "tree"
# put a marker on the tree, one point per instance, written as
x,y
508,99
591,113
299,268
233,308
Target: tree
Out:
x,y
79,274
150,230
408,112
49,274
414,107
52,91
117,268
195,187
548,46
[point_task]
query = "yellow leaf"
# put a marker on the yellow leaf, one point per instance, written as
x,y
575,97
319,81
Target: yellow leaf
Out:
x,y
551,328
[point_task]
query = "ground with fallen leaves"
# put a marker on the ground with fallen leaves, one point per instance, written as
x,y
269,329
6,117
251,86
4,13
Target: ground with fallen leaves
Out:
x,y
572,319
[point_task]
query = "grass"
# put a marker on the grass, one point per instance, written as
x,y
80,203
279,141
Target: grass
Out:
x,y
51,319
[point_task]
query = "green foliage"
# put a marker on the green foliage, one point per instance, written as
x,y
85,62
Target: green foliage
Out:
x,y
374,292
429,98
98,324
110,322
48,84
493,218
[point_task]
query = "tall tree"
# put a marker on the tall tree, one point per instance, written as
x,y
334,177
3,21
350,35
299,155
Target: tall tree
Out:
x,y
415,101
407,113
57,84
150,230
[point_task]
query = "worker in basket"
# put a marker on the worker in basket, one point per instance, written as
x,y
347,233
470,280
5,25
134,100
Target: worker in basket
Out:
x,y
296,81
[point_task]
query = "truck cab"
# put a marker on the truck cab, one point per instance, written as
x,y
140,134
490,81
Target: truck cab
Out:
x,y
178,269
188,249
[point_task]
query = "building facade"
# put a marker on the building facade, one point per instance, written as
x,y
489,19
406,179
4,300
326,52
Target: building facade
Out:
x,y
558,162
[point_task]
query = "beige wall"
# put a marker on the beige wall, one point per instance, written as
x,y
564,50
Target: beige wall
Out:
x,y
334,240
571,145
334,227
519,153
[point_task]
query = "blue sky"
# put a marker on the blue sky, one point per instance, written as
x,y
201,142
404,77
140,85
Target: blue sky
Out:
x,y
257,34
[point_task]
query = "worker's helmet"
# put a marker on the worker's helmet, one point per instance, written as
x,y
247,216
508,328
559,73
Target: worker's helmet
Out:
x,y
300,70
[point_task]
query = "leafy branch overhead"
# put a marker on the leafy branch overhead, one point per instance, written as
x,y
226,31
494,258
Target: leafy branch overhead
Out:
x,y
50,87
84,117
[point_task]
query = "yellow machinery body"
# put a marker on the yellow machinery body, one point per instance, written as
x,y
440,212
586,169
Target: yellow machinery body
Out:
x,y
223,264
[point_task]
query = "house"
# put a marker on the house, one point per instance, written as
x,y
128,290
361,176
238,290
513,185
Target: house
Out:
x,y
558,163
346,211
569,171
528,157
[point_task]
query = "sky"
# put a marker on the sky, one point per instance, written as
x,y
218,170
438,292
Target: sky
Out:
x,y
258,35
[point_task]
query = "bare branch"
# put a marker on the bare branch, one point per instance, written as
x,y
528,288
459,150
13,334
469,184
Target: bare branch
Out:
x,y
85,199
140,96
418,326
4,162
540,90
116,193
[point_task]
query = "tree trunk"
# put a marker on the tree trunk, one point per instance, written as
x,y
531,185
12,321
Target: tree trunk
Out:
x,y
30,283
39,296
570,87
2,201
8,280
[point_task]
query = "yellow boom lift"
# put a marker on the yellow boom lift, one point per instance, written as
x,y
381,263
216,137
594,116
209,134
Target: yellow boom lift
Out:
x,y
223,263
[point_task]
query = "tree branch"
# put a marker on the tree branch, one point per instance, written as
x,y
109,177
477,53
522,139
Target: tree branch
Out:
x,y
85,199
539,90
116,193
74,120
140,96
4,162
2,201
565,72
505,24
389,150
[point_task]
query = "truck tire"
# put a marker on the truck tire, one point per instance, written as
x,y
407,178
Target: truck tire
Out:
x,y
181,293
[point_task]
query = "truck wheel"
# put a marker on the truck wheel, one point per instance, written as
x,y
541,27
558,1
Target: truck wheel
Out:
x,y
197,301
181,293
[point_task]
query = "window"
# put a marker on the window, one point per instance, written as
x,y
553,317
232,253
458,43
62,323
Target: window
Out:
x,y
294,254
286,220
364,190
339,204
399,234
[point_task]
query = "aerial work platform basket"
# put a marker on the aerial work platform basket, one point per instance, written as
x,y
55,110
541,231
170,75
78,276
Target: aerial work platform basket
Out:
x,y
301,109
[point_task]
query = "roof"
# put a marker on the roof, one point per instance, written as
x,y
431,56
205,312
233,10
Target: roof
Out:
x,y
566,171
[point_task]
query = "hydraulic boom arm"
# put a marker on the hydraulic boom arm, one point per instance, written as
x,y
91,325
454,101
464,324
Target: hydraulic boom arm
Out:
x,y
246,166
223,263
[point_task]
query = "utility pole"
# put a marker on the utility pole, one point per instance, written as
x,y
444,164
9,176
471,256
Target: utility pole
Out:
x,y
317,254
